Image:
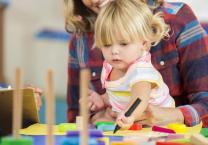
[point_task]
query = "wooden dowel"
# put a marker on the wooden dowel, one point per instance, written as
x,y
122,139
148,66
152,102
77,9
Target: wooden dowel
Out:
x,y
17,104
50,108
84,82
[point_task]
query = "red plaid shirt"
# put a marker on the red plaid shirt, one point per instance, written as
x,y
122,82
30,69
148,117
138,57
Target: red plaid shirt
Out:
x,y
182,60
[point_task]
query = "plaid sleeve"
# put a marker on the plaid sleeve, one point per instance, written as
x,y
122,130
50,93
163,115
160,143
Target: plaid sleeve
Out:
x,y
192,44
73,81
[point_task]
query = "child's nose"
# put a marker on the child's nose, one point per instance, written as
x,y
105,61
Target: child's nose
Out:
x,y
114,50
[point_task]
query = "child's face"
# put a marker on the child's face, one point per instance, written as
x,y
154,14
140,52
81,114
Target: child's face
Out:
x,y
95,5
120,55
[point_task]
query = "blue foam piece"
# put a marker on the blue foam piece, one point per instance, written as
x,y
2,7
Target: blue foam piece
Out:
x,y
106,127
76,141
92,133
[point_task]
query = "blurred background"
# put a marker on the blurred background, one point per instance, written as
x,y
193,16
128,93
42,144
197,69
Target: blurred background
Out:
x,y
32,37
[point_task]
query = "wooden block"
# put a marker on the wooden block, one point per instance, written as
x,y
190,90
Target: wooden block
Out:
x,y
79,120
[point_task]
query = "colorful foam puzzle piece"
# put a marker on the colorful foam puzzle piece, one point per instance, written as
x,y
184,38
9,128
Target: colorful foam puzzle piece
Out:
x,y
92,133
136,126
172,143
106,140
19,141
124,143
204,132
162,129
64,127
97,124
104,127
76,141
177,127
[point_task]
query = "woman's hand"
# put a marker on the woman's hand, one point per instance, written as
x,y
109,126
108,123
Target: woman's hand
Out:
x,y
125,122
155,115
37,94
96,102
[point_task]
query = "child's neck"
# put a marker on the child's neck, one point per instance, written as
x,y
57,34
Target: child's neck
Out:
x,y
117,74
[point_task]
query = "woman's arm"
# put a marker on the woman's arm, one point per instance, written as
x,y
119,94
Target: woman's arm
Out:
x,y
192,44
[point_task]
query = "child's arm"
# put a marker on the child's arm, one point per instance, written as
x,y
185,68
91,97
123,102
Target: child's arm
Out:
x,y
139,90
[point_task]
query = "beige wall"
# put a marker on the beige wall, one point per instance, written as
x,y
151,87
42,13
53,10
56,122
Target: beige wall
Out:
x,y
200,8
23,20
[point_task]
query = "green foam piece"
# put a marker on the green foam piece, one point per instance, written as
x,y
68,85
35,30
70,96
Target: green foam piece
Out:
x,y
182,140
64,127
204,132
19,141
103,123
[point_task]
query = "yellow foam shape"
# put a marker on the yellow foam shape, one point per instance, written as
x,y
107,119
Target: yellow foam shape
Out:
x,y
39,129
106,140
178,127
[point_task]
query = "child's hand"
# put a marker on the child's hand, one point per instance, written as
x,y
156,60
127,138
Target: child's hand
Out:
x,y
96,101
125,122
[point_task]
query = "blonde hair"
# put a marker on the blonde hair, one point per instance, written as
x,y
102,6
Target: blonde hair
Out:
x,y
78,17
73,9
129,20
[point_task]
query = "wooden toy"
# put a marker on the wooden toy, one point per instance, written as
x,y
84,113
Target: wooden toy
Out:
x,y
84,82
79,120
50,107
17,115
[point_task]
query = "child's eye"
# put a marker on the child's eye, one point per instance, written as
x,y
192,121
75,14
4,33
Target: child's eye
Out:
x,y
107,45
123,44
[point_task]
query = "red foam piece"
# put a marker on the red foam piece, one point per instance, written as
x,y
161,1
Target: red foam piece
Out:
x,y
136,126
172,143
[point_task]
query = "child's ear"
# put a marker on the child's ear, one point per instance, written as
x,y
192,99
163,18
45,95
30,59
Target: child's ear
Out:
x,y
146,45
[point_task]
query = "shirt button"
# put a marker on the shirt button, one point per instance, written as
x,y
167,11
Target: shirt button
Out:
x,y
93,74
162,63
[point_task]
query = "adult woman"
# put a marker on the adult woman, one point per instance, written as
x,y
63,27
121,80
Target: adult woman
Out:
x,y
182,60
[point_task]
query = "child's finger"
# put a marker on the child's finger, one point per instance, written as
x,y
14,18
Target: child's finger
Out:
x,y
90,105
93,108
119,123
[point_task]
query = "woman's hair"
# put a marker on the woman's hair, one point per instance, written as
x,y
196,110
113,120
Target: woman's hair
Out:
x,y
129,20
78,17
